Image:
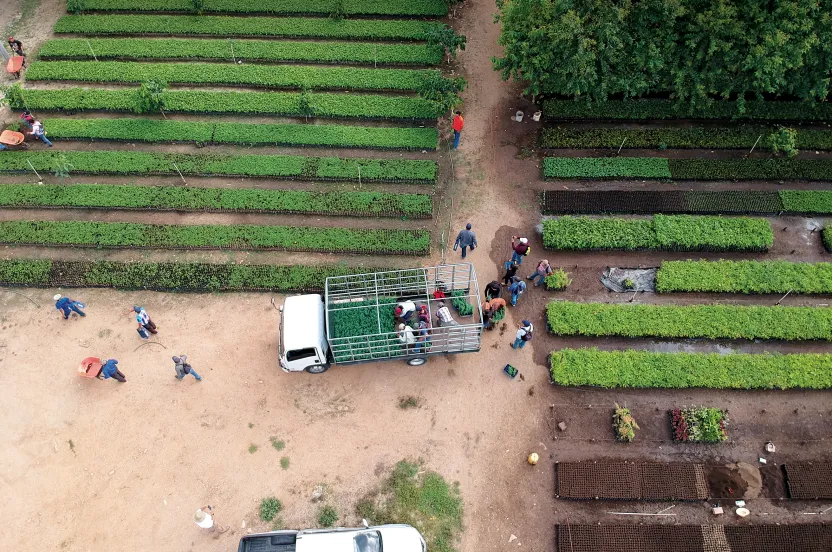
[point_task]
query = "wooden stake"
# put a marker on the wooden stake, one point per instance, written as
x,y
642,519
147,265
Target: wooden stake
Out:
x,y
180,174
621,146
781,299
755,144
40,179
91,50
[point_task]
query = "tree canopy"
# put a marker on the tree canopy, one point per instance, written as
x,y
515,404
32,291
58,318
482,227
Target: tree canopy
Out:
x,y
695,50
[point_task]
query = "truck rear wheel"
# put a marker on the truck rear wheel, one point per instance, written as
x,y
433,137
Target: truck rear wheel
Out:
x,y
418,361
318,369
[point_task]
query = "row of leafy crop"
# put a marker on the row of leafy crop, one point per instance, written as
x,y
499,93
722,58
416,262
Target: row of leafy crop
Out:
x,y
364,106
100,196
744,137
210,25
239,237
275,166
662,232
269,76
692,321
152,130
687,169
556,202
827,238
657,109
643,369
170,276
248,50
273,7
744,277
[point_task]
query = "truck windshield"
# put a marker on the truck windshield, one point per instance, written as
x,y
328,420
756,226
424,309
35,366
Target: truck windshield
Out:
x,y
369,541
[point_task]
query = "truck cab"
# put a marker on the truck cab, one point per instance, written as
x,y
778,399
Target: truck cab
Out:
x,y
381,538
302,342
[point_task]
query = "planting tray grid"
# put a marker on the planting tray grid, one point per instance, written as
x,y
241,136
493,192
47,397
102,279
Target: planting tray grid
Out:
x,y
693,538
630,481
809,481
651,202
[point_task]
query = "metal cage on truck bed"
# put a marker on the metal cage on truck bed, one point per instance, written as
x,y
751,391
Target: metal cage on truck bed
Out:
x,y
361,321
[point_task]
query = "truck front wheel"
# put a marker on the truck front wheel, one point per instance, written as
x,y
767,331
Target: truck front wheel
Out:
x,y
418,361
318,369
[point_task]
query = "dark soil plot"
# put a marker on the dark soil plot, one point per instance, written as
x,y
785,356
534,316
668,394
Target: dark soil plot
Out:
x,y
630,481
774,481
725,482
810,480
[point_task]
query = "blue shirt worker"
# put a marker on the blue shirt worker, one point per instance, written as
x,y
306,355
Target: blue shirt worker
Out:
x,y
68,306
516,289
465,239
110,370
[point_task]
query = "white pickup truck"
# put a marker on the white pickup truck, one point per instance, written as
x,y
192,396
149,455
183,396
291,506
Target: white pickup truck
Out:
x,y
354,321
381,538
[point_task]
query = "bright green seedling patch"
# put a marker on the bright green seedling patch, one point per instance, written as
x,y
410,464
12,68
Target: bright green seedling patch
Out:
x,y
558,280
142,49
644,369
278,7
663,232
242,237
692,321
605,167
276,76
744,277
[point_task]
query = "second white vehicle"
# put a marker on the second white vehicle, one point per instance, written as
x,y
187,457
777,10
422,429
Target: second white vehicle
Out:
x,y
381,538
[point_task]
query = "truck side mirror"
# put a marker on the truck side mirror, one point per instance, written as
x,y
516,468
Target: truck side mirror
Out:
x,y
281,308
364,521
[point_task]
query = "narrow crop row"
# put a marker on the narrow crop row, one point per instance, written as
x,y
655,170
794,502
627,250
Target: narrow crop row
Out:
x,y
567,110
643,369
673,233
802,202
437,8
100,196
200,277
687,169
238,237
248,50
744,277
364,106
740,137
209,25
693,321
270,76
151,130
276,166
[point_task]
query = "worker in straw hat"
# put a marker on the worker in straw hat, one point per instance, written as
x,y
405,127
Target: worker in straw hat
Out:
x,y
67,306
204,518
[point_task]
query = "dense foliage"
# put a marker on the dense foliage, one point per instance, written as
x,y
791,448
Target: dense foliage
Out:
x,y
101,196
171,276
686,169
204,133
658,109
698,424
744,277
365,106
675,233
273,7
695,49
727,137
140,49
268,76
209,25
806,201
240,237
278,166
558,280
691,321
683,370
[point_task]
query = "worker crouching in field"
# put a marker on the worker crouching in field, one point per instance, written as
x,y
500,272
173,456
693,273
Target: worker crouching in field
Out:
x,y
110,370
489,309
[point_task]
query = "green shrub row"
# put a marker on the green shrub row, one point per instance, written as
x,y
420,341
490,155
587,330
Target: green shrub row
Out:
x,y
605,167
827,238
740,137
663,232
806,201
665,109
686,169
270,76
248,50
150,130
642,369
171,276
100,196
208,25
364,106
274,7
276,166
692,321
240,237
744,277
